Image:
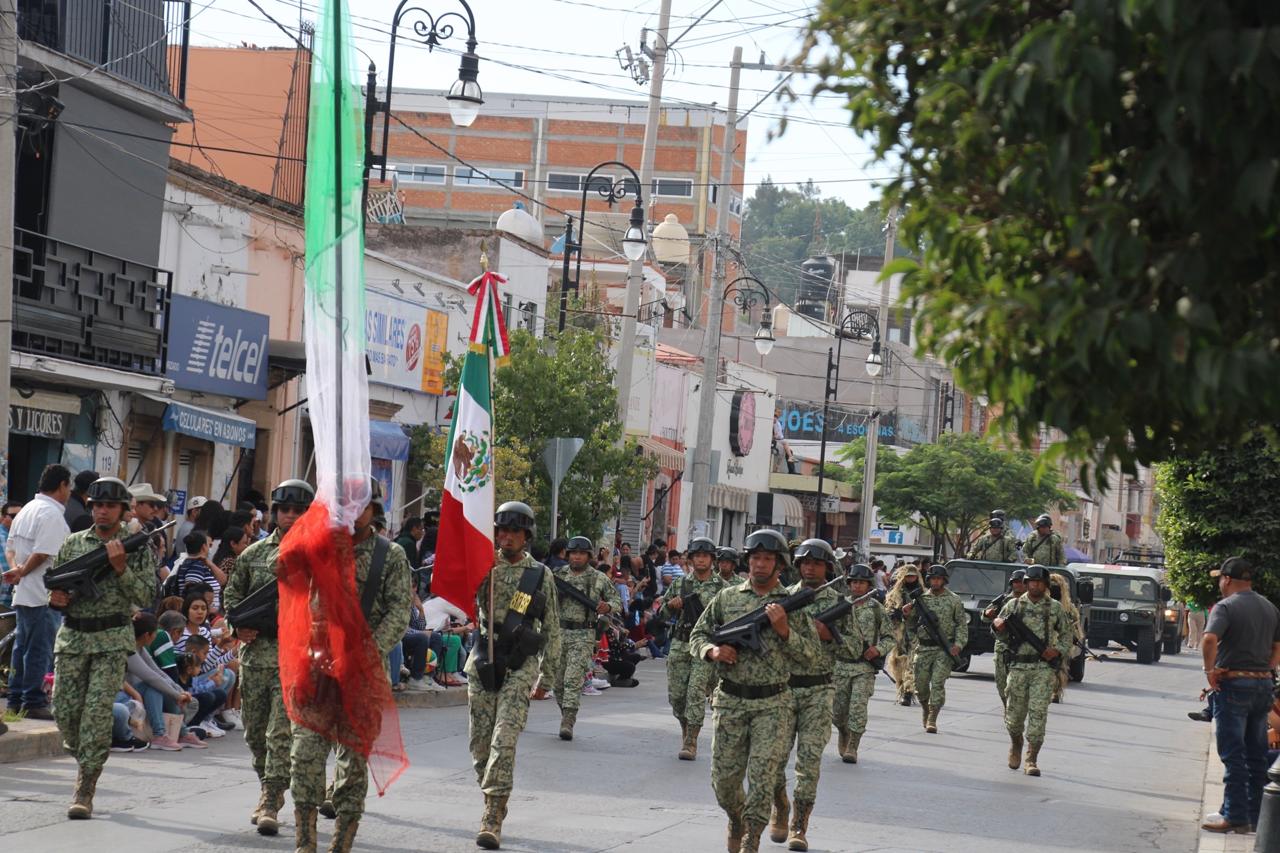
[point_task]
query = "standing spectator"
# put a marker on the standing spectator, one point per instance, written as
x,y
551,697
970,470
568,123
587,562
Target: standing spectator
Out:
x,y
1240,647
410,536
193,515
148,514
77,513
556,558
36,535
6,521
194,567
234,541
671,571
1196,616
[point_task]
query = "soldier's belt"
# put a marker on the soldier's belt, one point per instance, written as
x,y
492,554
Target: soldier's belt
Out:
x,y
94,624
569,625
927,644
810,680
751,691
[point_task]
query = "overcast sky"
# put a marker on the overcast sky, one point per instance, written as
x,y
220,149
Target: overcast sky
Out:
x,y
567,48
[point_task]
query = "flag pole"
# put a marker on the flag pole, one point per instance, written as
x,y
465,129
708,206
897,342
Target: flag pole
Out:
x,y
339,350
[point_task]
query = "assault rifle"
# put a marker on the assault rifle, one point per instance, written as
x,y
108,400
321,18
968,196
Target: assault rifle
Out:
x,y
745,631
563,587
931,626
258,610
998,602
81,575
832,614
1020,632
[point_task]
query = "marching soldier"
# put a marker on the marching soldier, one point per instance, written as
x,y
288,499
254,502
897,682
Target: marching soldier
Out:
x,y
868,629
688,677
752,703
519,617
1032,673
898,660
811,699
384,565
578,628
266,724
931,662
1017,587
96,638
727,563
994,546
1045,548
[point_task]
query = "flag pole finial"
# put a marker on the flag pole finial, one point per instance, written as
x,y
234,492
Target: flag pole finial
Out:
x,y
484,258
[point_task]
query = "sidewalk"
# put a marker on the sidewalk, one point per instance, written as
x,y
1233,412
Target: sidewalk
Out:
x,y
1211,801
28,739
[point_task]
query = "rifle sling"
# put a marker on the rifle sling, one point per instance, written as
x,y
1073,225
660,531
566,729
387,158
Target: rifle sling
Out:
x,y
380,548
521,600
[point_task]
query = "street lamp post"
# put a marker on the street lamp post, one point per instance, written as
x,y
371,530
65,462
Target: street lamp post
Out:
x,y
747,297
465,96
859,325
633,242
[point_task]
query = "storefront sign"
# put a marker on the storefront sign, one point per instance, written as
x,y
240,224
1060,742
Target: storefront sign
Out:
x,y
804,422
742,422
44,423
221,427
405,343
217,349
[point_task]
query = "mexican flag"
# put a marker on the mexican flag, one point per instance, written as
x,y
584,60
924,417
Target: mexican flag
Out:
x,y
464,550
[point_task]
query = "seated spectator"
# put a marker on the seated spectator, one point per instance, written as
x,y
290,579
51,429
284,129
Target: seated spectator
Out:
x,y
622,657
158,693
194,567
453,632
410,536
416,645
123,737
224,653
171,625
209,689
196,608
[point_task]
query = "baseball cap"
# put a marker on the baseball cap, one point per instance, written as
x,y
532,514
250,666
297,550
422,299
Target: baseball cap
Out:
x,y
196,502
85,479
1237,568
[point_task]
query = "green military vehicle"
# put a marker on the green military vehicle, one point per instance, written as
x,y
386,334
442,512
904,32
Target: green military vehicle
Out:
x,y
1133,607
978,583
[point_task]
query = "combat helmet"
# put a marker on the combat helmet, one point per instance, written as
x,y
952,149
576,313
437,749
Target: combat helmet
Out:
x,y
296,493
770,542
517,515
815,549
108,490
578,543
701,545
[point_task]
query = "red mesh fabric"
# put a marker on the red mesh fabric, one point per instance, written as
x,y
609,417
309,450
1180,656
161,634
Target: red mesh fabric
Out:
x,y
332,675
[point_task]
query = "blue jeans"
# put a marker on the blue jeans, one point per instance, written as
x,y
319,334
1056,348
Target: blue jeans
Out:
x,y
32,656
395,660
120,722
1240,712
156,705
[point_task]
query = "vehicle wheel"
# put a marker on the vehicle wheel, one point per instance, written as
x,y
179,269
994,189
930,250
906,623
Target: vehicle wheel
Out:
x,y
1075,669
963,666
1157,648
1146,649
1098,644
1173,645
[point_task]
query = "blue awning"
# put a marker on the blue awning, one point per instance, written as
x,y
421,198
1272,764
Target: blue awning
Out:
x,y
222,427
388,441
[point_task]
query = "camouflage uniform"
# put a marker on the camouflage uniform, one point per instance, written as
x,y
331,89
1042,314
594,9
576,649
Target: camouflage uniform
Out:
x,y
1031,679
498,717
89,665
746,738
1000,651
1060,591
266,724
867,625
578,632
388,618
931,663
1045,550
994,549
898,661
688,678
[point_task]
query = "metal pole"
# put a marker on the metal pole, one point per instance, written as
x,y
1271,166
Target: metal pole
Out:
x,y
564,272
555,509
829,389
338,292
1268,837
699,499
8,162
635,273
873,427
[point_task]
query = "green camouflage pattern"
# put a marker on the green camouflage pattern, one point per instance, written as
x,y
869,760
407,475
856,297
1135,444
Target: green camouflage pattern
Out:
x,y
808,733
746,745
688,679
121,595
389,614
86,688
855,678
999,652
854,686
1045,550
578,645
948,610
253,569
1029,691
824,662
266,724
994,549
595,585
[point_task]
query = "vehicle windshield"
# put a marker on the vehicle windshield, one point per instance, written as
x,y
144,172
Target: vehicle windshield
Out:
x,y
978,581
1124,589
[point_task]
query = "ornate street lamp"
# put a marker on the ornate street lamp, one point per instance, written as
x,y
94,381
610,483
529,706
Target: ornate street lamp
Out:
x,y
746,298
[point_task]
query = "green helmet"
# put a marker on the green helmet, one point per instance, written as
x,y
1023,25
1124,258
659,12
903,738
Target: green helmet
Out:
x,y
724,553
293,493
1037,573
1044,521
1018,575
516,514
937,570
108,490
578,543
815,549
860,572
770,542
701,545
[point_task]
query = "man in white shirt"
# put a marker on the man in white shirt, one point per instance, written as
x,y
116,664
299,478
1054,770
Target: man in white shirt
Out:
x,y
438,613
35,537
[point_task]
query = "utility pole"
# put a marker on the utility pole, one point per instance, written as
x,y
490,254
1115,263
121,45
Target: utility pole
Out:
x,y
8,164
635,274
873,430
698,507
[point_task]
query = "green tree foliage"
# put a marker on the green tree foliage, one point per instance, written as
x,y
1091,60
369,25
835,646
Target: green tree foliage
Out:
x,y
852,460
1220,504
950,488
550,389
1093,185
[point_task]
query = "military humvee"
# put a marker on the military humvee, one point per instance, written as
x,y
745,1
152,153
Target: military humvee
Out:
x,y
1132,607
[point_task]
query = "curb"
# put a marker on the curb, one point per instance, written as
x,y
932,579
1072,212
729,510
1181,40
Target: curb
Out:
x,y
32,739
1211,800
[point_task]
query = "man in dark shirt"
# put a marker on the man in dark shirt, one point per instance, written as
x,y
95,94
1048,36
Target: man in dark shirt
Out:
x,y
1241,647
77,512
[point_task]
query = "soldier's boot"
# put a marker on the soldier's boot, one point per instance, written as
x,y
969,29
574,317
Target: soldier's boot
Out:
x,y
931,724
344,834
737,829
850,754
778,817
495,811
262,801
81,807
1015,751
567,719
304,829
1033,752
924,715
684,729
751,840
843,743
269,816
689,749
905,701
799,826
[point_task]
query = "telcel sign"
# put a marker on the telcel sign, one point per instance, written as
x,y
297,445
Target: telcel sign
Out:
x,y
217,349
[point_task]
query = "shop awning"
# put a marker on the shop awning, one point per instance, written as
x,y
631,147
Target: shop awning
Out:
x,y
733,498
211,425
388,441
791,509
667,456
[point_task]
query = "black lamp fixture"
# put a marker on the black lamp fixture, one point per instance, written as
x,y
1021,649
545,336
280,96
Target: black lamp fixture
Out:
x,y
747,297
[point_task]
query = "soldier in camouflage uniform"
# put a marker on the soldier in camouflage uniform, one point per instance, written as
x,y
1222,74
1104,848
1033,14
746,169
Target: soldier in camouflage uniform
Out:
x,y
752,703
1060,591
1000,651
898,660
498,712
932,663
388,618
1032,675
96,638
578,628
688,678
727,563
994,545
869,629
266,724
1045,548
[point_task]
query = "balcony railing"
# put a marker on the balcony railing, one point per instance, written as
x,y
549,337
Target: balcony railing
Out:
x,y
82,305
143,41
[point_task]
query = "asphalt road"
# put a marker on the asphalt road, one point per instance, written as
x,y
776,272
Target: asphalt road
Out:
x,y
1123,772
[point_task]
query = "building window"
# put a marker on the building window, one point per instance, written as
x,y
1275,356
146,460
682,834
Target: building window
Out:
x,y
561,182
735,205
418,173
673,187
466,176
713,192
529,316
